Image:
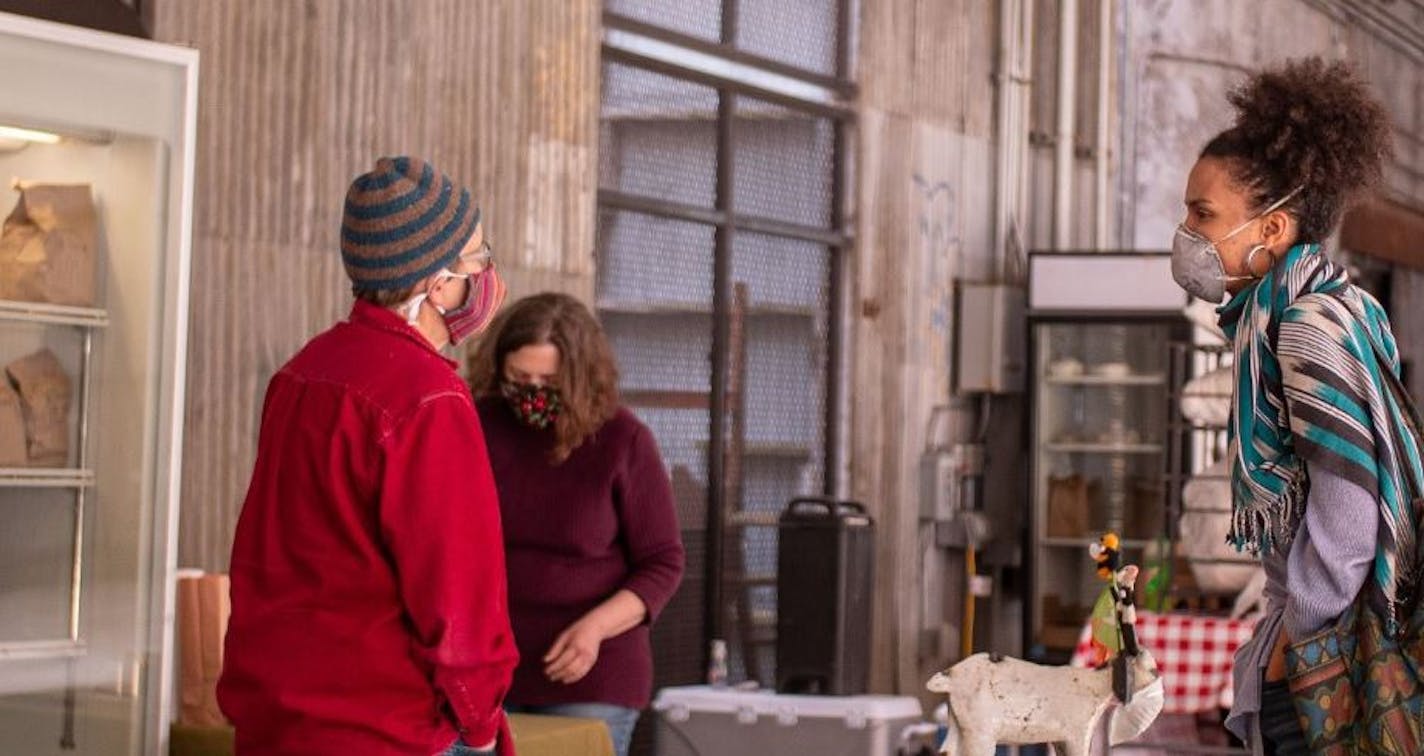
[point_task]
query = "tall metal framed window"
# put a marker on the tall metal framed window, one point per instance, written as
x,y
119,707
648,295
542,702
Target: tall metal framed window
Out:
x,y
721,262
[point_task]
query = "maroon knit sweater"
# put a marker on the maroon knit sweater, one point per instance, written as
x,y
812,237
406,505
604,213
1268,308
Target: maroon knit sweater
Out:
x,y
574,534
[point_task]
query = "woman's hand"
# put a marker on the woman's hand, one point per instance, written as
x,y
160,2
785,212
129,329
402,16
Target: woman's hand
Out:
x,y
1276,667
574,652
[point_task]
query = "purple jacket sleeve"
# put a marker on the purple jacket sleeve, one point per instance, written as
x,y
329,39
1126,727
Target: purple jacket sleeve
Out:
x,y
1331,556
647,518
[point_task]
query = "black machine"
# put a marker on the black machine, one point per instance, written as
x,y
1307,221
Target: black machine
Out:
x,y
825,572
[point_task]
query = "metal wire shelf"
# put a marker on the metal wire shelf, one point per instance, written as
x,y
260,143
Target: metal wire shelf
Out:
x,y
51,314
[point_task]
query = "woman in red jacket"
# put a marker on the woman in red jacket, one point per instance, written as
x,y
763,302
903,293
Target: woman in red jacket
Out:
x,y
591,534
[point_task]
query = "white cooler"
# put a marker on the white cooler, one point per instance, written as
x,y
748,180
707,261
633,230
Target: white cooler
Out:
x,y
703,721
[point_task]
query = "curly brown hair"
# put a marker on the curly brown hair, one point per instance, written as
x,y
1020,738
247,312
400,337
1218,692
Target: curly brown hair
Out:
x,y
1311,125
588,375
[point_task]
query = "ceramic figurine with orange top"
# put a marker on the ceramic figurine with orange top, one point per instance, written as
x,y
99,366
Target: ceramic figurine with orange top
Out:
x,y
1115,613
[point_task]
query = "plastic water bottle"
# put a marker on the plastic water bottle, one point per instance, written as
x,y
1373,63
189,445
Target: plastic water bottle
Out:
x,y
717,664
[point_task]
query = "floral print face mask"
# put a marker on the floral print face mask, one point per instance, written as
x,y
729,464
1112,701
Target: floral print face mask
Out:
x,y
535,406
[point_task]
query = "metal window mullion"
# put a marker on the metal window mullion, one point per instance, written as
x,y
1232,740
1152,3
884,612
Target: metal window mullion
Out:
x,y
619,200
729,22
839,111
717,432
835,311
612,20
773,227
842,72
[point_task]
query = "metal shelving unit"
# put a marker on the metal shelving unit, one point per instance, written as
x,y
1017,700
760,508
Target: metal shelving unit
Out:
x,y
30,477
1192,448
50,314
1108,449
80,478
28,650
1101,380
1155,379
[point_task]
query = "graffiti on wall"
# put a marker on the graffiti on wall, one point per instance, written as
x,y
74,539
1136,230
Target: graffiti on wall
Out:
x,y
938,223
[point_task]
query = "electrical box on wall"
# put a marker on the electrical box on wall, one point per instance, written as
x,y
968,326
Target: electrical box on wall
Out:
x,y
990,357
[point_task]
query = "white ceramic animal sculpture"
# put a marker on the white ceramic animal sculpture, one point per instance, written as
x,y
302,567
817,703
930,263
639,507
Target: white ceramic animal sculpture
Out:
x,y
995,700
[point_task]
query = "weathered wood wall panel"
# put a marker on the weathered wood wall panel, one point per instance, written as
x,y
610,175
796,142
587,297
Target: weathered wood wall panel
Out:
x,y
924,189
299,97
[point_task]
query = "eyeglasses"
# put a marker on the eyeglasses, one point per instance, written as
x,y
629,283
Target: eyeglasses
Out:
x,y
484,255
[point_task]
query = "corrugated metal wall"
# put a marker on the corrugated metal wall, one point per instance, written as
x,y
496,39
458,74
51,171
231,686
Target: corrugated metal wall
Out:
x,y
296,99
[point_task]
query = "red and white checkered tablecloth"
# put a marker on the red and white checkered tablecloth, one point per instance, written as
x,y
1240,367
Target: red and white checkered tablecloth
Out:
x,y
1194,653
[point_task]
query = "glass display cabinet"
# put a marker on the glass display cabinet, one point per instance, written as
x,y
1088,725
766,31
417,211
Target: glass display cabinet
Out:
x,y
1101,395
96,154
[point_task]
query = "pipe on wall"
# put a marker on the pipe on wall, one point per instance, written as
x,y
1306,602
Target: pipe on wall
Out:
x,y
1127,77
1101,167
1023,117
1003,163
1063,142
1015,58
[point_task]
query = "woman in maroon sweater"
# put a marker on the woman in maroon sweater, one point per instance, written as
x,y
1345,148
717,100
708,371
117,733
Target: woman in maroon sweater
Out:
x,y
591,534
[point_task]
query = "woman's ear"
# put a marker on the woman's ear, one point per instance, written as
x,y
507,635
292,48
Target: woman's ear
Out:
x,y
1278,231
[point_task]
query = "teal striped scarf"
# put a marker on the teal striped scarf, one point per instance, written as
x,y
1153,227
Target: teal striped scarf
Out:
x,y
1309,351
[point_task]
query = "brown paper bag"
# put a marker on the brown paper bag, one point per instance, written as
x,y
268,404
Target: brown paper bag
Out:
x,y
13,452
190,644
1062,623
215,606
1143,519
48,246
1070,502
45,392
203,609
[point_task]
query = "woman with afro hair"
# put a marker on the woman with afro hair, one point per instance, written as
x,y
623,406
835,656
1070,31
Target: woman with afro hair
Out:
x,y
1319,470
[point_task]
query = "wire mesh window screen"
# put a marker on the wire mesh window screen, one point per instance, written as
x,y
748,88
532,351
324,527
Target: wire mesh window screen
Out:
x,y
661,140
777,387
658,136
654,297
799,33
783,163
695,18
785,316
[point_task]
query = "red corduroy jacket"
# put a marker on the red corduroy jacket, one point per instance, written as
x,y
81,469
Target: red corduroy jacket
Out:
x,y
369,607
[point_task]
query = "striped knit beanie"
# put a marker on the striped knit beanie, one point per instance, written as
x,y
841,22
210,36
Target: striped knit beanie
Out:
x,y
404,221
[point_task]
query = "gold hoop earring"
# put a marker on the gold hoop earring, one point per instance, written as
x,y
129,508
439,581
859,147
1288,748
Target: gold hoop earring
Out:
x,y
1251,257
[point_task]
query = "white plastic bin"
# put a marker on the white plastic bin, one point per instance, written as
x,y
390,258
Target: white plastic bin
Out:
x,y
703,721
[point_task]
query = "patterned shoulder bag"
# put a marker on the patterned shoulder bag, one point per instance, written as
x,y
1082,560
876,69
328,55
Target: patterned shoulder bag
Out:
x,y
1357,690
